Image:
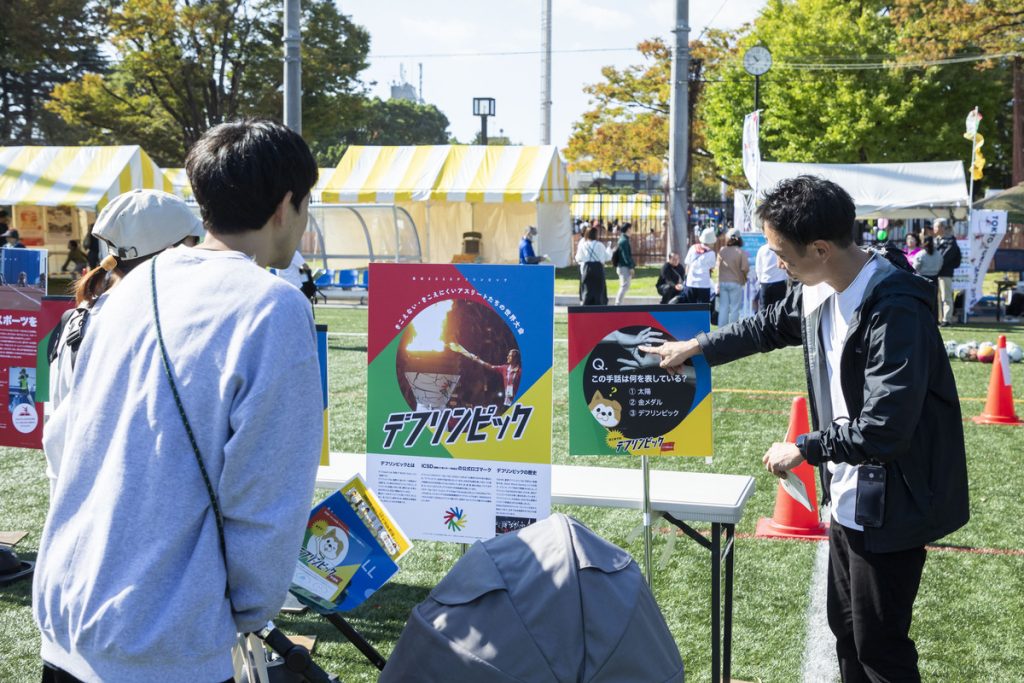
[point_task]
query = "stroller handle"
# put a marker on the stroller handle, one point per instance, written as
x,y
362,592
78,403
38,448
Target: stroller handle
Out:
x,y
296,657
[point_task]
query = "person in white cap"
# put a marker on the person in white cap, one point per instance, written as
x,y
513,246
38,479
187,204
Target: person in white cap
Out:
x,y
132,229
700,263
190,440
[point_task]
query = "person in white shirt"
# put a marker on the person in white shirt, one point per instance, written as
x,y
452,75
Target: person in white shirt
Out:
x,y
591,254
770,277
293,273
700,262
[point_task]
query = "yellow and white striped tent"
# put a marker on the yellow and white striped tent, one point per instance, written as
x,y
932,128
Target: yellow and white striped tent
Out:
x,y
628,207
451,189
84,177
181,186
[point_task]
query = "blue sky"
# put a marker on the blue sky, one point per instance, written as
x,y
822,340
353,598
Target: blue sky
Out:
x,y
432,27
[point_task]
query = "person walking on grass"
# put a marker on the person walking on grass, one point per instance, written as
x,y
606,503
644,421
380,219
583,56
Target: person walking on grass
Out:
x,y
624,264
700,262
186,481
951,258
592,255
886,436
733,269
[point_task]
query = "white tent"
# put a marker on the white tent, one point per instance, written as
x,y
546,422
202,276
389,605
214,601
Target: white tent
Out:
x,y
448,190
912,190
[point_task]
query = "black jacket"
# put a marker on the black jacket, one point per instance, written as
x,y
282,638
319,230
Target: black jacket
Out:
x,y
668,278
951,256
896,380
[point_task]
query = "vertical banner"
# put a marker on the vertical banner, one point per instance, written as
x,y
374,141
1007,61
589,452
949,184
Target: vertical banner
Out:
x,y
621,402
752,149
458,433
985,233
25,318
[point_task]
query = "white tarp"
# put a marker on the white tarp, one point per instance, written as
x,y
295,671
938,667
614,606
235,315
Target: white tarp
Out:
x,y
911,190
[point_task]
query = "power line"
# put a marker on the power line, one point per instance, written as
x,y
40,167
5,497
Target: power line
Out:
x,y
509,53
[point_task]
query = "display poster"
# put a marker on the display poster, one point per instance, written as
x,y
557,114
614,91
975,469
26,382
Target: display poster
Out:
x,y
986,231
27,317
321,356
29,224
351,548
621,402
458,433
59,224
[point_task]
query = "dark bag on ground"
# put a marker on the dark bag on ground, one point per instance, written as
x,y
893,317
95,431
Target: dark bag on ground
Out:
x,y
552,603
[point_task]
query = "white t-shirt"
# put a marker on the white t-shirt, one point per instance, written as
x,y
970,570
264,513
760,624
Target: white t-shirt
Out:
x,y
836,314
699,267
291,274
591,250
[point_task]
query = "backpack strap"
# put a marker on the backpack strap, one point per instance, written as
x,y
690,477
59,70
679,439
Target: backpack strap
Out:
x,y
73,320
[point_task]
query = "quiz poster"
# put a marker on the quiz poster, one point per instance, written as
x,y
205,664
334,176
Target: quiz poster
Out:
x,y
621,402
458,434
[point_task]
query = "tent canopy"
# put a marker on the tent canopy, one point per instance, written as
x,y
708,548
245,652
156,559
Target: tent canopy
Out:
x,y
451,189
1011,201
85,177
181,186
911,190
448,173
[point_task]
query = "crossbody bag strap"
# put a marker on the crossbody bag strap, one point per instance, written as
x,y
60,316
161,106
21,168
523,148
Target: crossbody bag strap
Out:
x,y
218,517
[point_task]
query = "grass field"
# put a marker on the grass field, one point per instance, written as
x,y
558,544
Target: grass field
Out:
x,y
969,616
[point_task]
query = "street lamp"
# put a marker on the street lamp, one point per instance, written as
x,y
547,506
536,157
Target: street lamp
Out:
x,y
483,107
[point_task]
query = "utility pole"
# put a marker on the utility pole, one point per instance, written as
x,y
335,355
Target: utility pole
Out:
x,y
545,72
292,65
678,148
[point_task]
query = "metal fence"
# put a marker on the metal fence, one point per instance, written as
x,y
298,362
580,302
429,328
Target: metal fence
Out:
x,y
648,215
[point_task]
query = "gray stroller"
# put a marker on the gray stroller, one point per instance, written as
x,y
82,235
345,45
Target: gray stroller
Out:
x,y
552,603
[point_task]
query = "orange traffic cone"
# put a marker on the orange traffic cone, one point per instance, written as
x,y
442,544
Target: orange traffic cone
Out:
x,y
999,405
791,519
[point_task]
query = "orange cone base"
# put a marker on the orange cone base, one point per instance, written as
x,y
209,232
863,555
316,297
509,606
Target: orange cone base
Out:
x,y
767,528
984,419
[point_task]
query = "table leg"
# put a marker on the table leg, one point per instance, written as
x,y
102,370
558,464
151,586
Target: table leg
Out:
x,y
730,550
716,601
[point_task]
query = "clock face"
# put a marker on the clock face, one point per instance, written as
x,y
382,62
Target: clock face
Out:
x,y
757,60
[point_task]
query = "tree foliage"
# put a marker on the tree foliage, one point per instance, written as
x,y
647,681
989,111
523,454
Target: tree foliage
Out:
x,y
941,28
186,65
42,43
627,128
848,115
387,122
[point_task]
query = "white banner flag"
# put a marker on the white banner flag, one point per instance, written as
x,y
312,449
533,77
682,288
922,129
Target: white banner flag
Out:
x,y
752,147
986,232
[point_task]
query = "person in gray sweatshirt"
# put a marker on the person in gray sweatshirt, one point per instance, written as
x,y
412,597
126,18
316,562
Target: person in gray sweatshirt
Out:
x,y
133,581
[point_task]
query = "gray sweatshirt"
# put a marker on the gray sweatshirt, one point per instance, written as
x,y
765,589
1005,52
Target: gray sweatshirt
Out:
x,y
130,580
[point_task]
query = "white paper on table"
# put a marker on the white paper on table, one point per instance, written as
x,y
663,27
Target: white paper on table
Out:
x,y
796,489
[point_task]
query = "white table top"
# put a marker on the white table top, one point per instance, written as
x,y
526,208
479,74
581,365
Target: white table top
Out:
x,y
689,496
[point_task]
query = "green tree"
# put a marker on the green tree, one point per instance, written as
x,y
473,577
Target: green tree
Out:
x,y
627,128
186,65
42,43
386,122
846,114
934,29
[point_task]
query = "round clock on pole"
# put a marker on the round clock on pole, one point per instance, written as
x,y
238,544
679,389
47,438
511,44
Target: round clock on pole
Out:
x,y
757,60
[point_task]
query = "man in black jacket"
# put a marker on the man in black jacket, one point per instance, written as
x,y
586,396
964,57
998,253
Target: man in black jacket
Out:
x,y
884,407
671,280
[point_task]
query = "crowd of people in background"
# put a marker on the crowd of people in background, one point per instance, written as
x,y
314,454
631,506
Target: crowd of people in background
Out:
x,y
932,252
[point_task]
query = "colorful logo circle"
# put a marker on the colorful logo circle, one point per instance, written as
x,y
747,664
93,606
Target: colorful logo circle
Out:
x,y
455,519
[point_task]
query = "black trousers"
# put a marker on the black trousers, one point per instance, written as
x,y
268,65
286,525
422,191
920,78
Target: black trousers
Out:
x,y
870,604
52,674
772,292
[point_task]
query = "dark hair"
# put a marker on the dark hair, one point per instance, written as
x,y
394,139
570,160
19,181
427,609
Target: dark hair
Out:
x,y
735,241
241,170
626,227
516,359
917,240
808,208
929,244
591,233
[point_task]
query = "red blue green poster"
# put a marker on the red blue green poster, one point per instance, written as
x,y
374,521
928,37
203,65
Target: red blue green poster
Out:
x,y
458,434
621,402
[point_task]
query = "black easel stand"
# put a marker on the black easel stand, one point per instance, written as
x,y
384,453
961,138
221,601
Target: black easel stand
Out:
x,y
356,639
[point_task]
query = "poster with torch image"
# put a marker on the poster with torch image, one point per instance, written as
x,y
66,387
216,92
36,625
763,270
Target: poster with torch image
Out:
x,y
621,402
458,433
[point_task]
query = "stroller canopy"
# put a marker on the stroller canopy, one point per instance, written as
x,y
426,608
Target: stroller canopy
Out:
x,y
552,603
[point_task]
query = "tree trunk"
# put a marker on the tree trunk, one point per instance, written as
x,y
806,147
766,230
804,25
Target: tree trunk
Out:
x,y
1018,120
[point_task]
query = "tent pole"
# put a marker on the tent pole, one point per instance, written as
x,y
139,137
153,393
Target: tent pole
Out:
x,y
645,464
428,232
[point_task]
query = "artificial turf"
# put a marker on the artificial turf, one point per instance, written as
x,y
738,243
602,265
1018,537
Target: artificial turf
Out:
x,y
969,614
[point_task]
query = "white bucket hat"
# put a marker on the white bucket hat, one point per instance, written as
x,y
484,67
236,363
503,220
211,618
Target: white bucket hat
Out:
x,y
708,237
143,222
